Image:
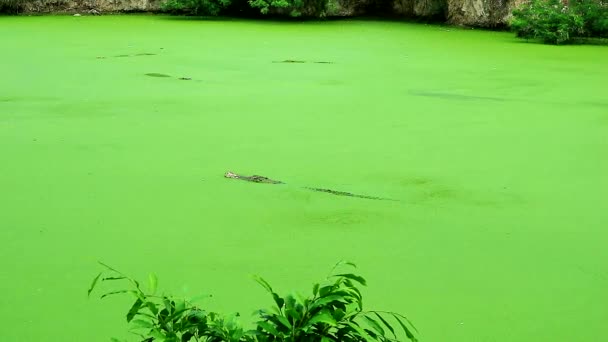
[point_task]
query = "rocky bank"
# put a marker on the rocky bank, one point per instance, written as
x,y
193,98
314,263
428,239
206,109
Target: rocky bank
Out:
x,y
480,13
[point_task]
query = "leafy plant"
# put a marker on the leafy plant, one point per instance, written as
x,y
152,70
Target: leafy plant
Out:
x,y
595,14
334,312
196,7
295,8
560,22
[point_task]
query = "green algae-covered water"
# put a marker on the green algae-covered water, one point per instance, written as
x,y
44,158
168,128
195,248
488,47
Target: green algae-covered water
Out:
x,y
496,150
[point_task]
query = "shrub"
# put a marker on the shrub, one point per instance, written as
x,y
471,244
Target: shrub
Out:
x,y
196,7
293,8
333,313
12,6
560,21
595,14
548,20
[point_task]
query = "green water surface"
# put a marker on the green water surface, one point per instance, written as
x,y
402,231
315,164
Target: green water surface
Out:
x,y
496,149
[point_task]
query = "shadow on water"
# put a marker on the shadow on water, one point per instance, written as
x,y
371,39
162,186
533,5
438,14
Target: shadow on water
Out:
x,y
156,74
452,96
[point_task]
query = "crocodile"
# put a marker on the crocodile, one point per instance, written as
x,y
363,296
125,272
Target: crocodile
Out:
x,y
262,179
254,178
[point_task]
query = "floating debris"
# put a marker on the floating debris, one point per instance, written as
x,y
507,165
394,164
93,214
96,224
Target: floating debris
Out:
x,y
301,61
350,194
155,74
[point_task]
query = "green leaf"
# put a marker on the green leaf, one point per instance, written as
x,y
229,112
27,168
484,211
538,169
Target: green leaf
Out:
x,y
353,277
278,300
168,305
407,331
116,292
141,324
374,325
283,320
323,317
199,298
110,268
386,324
114,278
362,333
92,287
157,334
325,290
269,328
152,307
326,300
152,282
134,309
180,305
264,283
396,315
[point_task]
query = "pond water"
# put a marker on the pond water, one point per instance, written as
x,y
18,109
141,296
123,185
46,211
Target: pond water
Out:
x,y
116,131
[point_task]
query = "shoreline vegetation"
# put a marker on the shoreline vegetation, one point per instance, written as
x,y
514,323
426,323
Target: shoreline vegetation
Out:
x,y
548,21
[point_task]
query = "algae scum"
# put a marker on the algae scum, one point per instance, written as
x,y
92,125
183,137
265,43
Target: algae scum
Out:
x,y
495,149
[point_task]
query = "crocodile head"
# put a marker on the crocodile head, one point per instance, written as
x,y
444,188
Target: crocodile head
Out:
x,y
231,175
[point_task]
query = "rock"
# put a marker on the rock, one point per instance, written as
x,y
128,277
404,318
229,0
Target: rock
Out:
x,y
430,8
482,13
92,7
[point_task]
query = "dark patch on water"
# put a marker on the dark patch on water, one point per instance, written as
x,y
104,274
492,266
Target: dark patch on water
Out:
x,y
332,82
595,103
126,55
340,217
296,61
418,181
185,78
452,96
156,74
349,194
289,61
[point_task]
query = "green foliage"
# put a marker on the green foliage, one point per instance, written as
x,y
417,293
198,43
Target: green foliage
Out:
x,y
265,5
333,313
595,14
560,22
12,6
295,8
196,7
548,20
